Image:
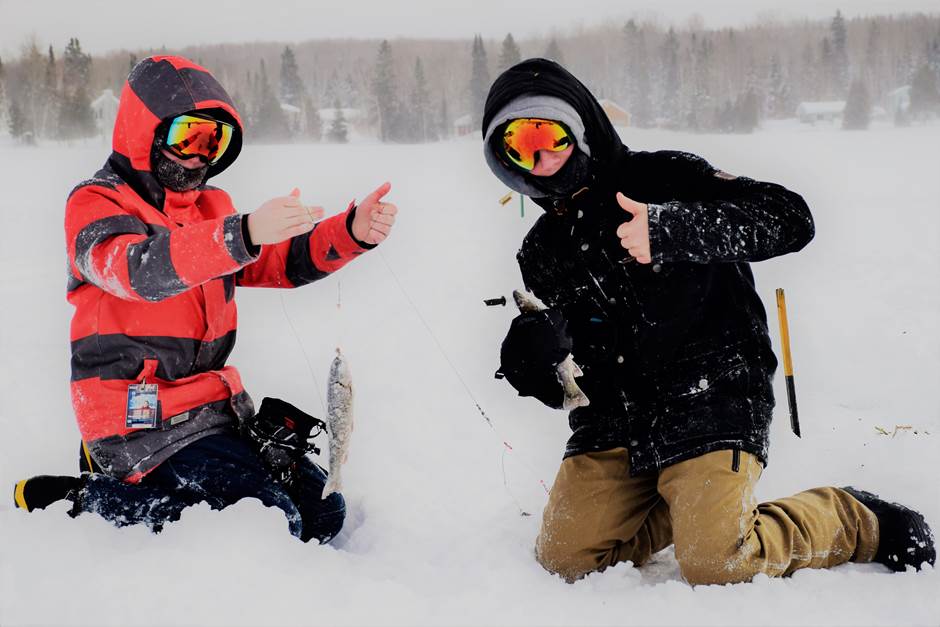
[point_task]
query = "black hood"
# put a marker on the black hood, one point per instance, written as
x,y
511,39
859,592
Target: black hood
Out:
x,y
547,78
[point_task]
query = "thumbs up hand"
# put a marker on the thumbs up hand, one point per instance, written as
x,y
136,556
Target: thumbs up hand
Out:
x,y
374,218
635,234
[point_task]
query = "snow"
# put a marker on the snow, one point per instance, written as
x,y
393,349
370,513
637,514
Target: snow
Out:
x,y
434,534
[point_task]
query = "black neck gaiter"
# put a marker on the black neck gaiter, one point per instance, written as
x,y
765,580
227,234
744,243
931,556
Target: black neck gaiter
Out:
x,y
171,174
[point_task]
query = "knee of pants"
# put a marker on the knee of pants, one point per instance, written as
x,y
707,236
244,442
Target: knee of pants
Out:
x,y
324,521
708,563
570,562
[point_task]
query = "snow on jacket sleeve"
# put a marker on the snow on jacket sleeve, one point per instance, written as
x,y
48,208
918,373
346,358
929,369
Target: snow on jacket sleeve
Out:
x,y
119,253
727,218
306,258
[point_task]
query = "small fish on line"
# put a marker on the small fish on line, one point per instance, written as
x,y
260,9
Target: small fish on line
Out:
x,y
339,409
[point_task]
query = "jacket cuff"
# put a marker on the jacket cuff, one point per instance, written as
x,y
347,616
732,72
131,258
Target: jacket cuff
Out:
x,y
654,214
238,247
253,249
350,215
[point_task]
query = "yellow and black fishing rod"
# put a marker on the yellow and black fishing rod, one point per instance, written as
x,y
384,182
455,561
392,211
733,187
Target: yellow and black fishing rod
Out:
x,y
787,360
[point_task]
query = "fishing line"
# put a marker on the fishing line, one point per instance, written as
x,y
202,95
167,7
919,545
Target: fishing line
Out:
x,y
316,383
436,341
505,444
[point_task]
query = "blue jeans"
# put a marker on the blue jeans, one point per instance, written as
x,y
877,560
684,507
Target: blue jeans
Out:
x,y
219,470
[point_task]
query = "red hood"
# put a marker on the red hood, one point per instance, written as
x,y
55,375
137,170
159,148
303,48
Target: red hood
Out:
x,y
159,88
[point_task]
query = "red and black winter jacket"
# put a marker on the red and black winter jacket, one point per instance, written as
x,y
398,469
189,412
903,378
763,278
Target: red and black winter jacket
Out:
x,y
152,276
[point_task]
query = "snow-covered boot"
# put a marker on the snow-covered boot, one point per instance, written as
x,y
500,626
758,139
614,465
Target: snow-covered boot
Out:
x,y
904,538
43,490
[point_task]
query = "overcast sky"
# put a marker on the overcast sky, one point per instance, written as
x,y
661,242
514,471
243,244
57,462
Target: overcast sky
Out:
x,y
103,25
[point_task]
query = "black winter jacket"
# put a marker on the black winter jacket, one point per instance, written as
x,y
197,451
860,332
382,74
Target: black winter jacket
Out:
x,y
676,355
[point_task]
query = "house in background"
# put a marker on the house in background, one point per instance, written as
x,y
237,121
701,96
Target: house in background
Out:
x,y
105,109
898,102
463,125
813,112
617,114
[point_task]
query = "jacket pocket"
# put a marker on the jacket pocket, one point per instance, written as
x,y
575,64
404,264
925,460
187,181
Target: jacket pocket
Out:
x,y
708,400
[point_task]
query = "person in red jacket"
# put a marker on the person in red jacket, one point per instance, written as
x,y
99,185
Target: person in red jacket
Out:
x,y
154,256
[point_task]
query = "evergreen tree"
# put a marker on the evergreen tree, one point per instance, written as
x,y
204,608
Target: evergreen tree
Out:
x,y
925,94
671,87
292,87
637,80
385,94
20,127
828,72
509,54
553,52
779,96
933,56
50,94
76,69
700,100
444,122
314,125
479,80
338,132
76,118
857,115
840,55
4,122
747,112
422,125
270,121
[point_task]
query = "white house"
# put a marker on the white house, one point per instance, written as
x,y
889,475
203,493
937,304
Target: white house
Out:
x,y
463,125
813,112
294,117
105,109
898,101
618,115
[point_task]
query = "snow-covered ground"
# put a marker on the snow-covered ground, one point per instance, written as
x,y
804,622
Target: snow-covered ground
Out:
x,y
436,532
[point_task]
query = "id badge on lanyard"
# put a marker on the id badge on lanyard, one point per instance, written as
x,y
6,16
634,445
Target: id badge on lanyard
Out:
x,y
142,406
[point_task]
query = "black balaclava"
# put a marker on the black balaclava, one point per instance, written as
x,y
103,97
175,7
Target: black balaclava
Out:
x,y
171,174
543,88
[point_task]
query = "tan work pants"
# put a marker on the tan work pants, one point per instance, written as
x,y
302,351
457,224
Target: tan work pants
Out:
x,y
598,515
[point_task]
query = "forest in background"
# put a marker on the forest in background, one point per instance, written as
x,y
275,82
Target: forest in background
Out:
x,y
414,90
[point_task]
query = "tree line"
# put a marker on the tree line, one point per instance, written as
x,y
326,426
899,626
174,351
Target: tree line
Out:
x,y
411,90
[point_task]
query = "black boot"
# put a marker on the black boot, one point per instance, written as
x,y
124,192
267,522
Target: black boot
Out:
x,y
281,434
43,490
904,538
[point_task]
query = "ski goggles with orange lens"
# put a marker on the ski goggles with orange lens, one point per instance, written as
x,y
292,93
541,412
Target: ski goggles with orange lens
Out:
x,y
524,137
192,135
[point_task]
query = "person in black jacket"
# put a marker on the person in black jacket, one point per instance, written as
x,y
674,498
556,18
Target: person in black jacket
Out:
x,y
643,260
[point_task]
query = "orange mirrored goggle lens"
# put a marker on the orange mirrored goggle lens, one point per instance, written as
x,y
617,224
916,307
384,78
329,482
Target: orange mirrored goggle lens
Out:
x,y
191,136
524,137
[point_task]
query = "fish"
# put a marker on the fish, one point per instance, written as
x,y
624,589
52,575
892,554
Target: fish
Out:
x,y
339,410
567,370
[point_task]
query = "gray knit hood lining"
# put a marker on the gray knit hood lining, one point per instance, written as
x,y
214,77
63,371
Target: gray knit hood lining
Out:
x,y
531,106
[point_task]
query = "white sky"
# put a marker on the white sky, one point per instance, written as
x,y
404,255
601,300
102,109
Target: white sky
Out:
x,y
103,25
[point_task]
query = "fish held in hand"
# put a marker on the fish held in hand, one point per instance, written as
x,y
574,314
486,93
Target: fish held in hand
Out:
x,y
567,369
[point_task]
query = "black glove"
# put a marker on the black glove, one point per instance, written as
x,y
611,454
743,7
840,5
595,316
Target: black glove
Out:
x,y
536,343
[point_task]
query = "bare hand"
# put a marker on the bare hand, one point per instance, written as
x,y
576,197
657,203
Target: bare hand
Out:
x,y
635,234
282,218
374,219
